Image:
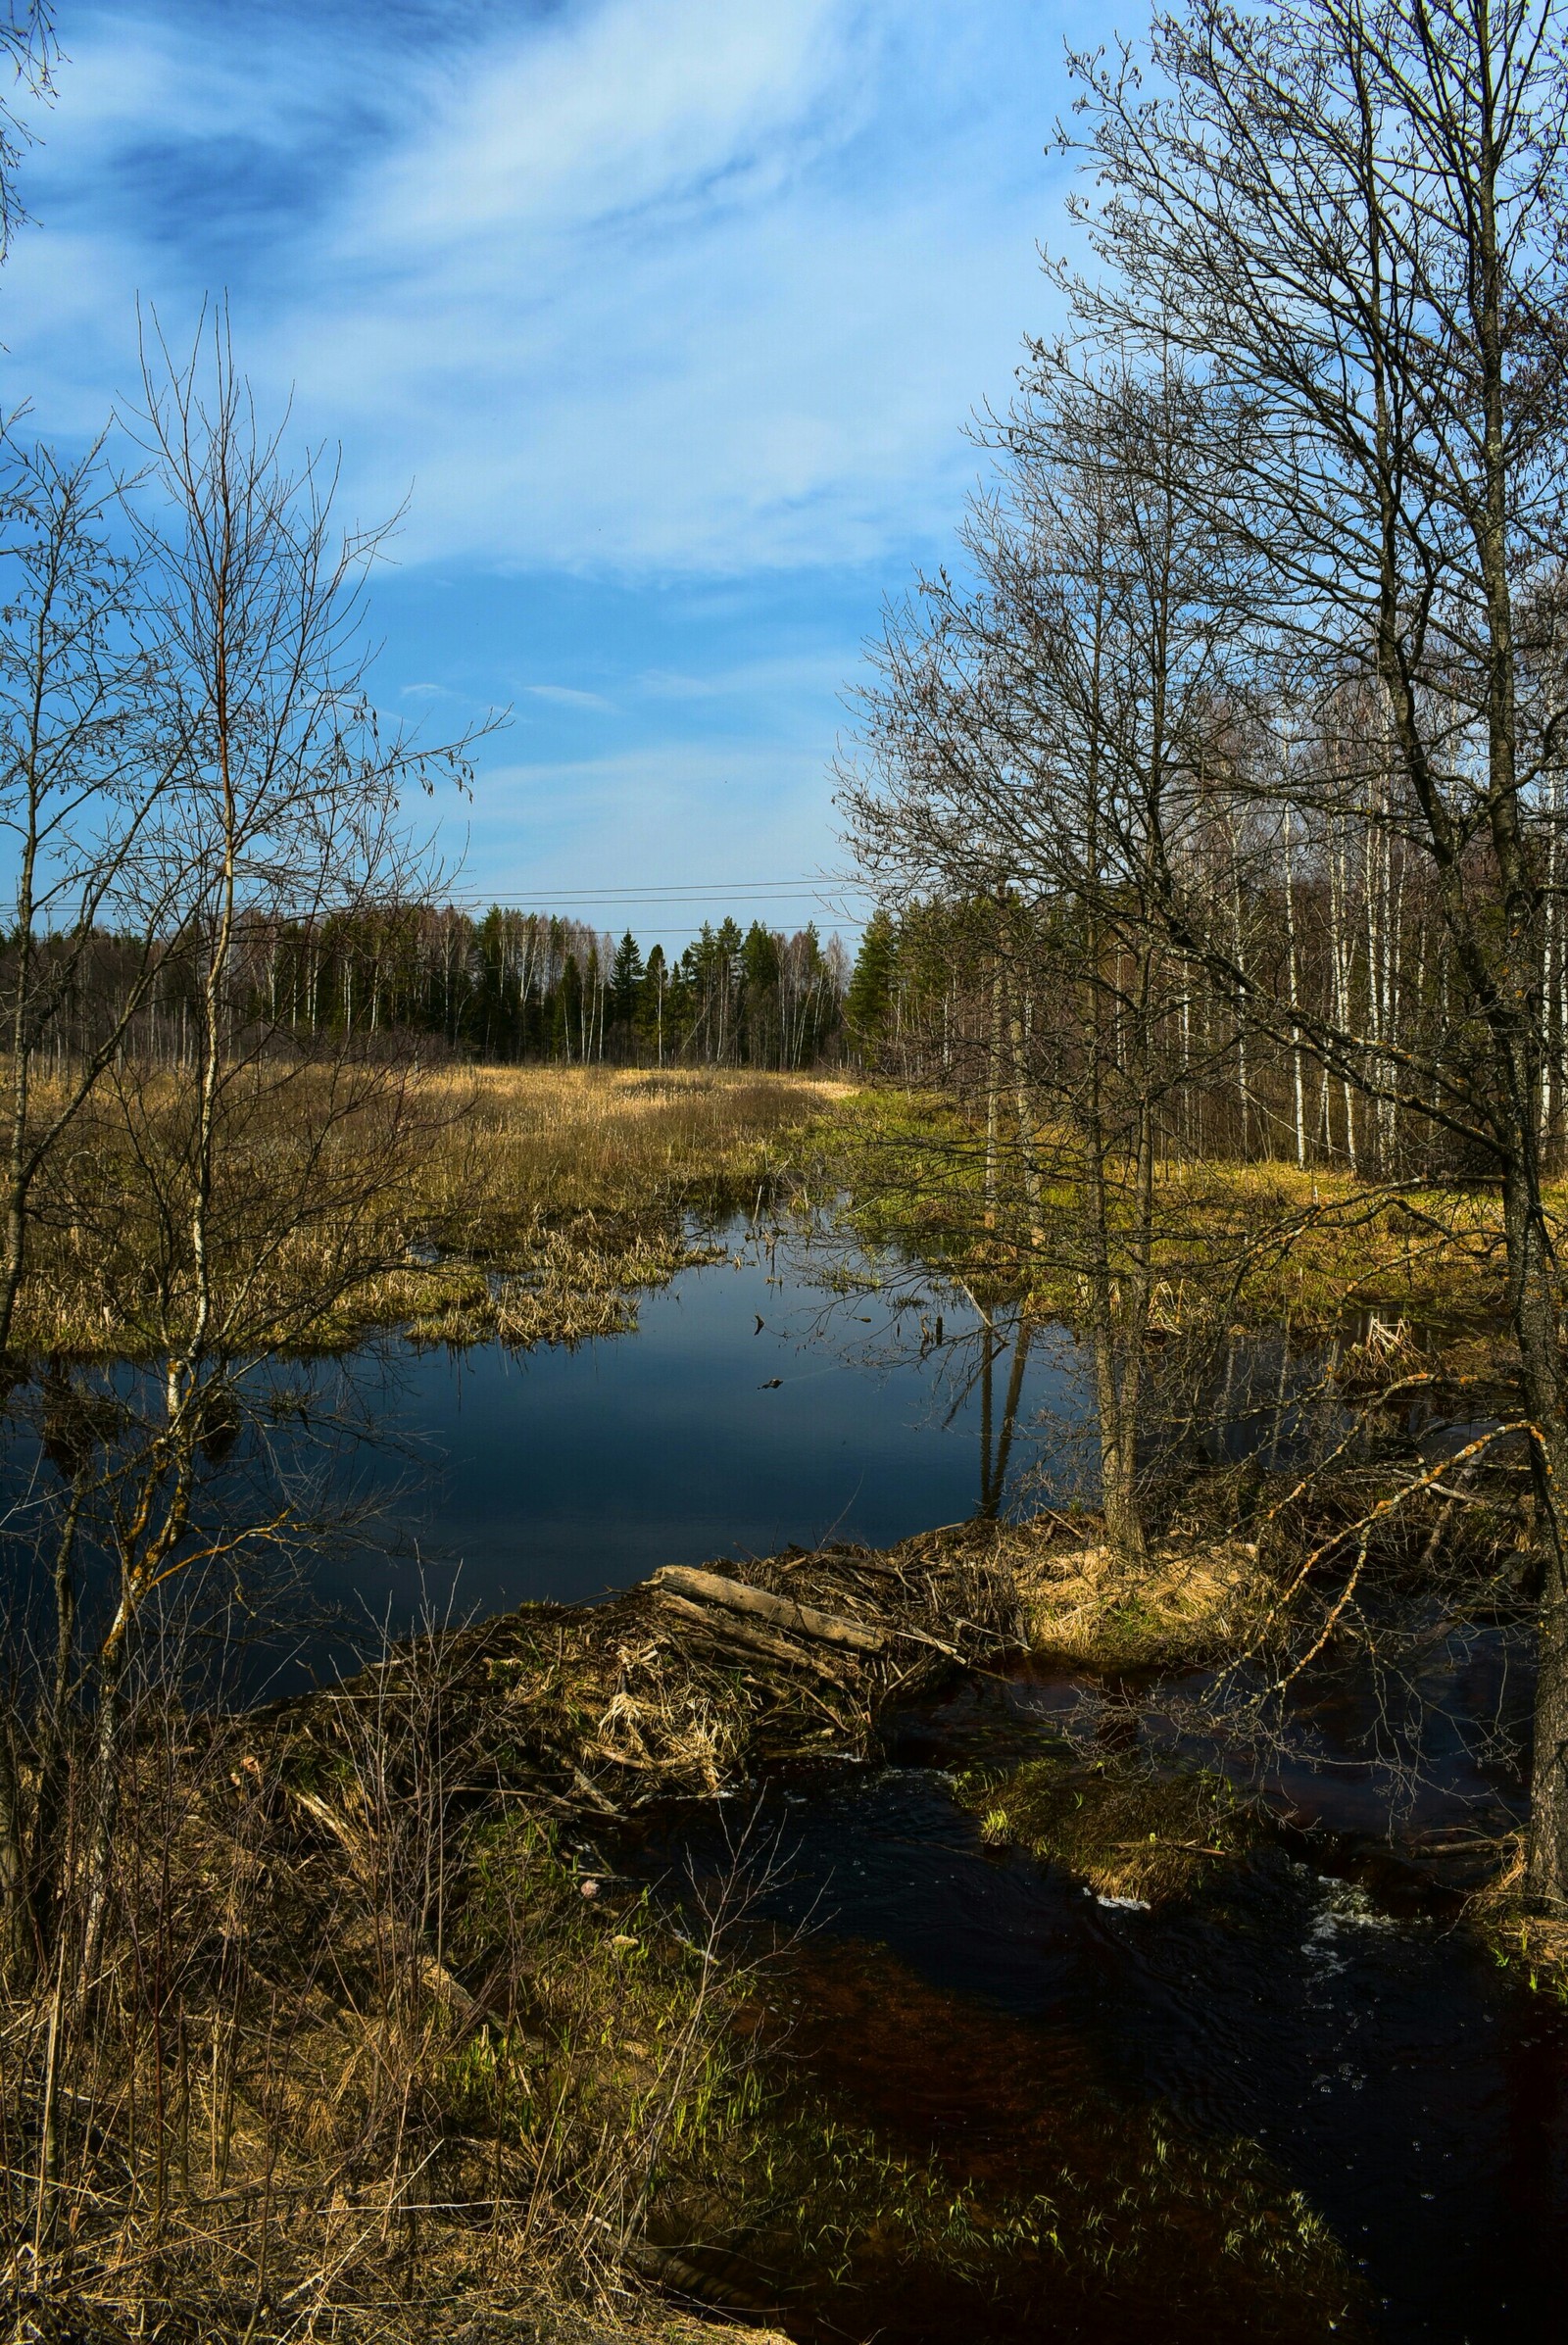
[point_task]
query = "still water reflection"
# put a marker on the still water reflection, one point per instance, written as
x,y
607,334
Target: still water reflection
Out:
x,y
753,1408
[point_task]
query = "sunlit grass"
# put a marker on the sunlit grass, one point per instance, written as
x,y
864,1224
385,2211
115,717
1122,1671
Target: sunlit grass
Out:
x,y
527,1203
1271,1239
1116,1825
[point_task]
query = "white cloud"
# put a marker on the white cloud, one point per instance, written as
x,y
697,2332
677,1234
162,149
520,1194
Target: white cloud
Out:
x,y
568,696
794,676
647,285
610,111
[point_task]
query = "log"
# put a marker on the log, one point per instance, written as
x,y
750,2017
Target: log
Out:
x,y
801,1620
731,1628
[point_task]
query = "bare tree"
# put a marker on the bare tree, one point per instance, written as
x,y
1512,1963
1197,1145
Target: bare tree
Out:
x,y
233,1204
81,777
1039,740
1351,218
27,44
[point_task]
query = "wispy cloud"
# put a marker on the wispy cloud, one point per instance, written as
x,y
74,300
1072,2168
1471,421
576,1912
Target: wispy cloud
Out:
x,y
747,679
566,696
668,311
625,285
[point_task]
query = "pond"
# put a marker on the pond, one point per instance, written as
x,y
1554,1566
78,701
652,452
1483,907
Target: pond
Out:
x,y
762,1401
754,1408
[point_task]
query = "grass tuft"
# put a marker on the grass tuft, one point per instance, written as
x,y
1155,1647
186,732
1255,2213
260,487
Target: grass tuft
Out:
x,y
1115,1824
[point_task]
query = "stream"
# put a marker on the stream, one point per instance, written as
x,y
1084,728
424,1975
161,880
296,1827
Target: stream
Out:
x,y
1318,1998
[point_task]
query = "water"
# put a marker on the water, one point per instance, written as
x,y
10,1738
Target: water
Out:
x,y
564,1474
1415,2093
1306,2000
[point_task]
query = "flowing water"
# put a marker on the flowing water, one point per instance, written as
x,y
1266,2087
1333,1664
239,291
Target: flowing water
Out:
x,y
1318,1999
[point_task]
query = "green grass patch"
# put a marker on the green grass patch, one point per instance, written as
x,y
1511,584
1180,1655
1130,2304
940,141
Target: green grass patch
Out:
x,y
1115,1823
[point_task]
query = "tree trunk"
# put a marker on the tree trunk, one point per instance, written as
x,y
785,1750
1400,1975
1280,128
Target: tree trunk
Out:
x,y
1533,1300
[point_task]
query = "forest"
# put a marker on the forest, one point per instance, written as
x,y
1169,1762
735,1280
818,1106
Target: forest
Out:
x,y
508,989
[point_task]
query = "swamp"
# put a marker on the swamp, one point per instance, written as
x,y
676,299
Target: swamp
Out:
x,y
851,1628
704,1827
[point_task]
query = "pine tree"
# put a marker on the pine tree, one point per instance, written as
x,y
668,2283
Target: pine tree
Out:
x,y
868,1004
625,976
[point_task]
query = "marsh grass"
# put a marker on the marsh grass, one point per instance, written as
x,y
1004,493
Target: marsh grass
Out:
x,y
526,1203
384,2045
1307,1248
1532,1945
363,2055
911,2164
1189,1599
1113,1822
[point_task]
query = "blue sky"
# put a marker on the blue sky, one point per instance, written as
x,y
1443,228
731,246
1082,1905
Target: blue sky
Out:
x,y
664,315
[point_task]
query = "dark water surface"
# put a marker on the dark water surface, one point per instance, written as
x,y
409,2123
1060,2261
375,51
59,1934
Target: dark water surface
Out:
x,y
1413,2091
563,1474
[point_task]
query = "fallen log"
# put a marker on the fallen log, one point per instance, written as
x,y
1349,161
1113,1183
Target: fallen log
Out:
x,y
727,1629
801,1619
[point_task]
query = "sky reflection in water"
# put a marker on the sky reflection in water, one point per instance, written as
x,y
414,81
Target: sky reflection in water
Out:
x,y
561,1474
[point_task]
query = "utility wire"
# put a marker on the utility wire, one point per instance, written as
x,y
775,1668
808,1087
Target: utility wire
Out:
x,y
707,891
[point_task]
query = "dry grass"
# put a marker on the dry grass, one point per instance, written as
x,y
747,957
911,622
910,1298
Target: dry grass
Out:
x,y
1083,1605
563,1141
1316,1244
369,2055
1113,1823
573,1185
524,1203
1534,1946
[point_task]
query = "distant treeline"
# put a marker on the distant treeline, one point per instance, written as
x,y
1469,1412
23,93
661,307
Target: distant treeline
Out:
x,y
507,987
978,995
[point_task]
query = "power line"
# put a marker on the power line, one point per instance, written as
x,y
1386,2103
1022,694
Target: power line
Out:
x,y
709,892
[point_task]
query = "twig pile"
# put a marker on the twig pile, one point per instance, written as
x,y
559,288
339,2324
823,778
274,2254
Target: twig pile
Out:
x,y
685,1685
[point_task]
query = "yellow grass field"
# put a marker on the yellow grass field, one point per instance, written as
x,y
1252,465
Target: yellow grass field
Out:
x,y
526,1203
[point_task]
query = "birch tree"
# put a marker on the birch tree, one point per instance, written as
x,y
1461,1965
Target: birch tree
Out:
x,y
232,1206
1350,218
1039,738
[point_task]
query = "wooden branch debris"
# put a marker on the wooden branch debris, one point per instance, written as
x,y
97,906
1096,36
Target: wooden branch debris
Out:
x,y
677,1581
719,1628
696,1595
682,1685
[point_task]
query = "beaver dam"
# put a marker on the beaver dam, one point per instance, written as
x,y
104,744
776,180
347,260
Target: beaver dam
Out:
x,y
832,1947
877,1934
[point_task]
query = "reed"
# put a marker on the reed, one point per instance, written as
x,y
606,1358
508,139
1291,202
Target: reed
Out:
x,y
524,1203
358,2053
